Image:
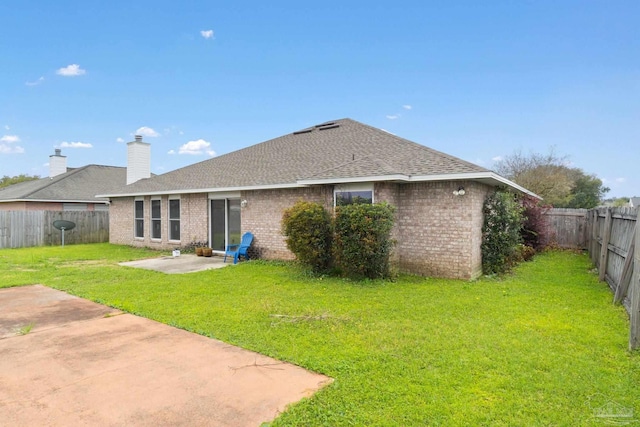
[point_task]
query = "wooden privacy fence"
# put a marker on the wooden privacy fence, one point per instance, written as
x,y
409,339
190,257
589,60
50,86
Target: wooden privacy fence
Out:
x,y
613,241
566,228
19,229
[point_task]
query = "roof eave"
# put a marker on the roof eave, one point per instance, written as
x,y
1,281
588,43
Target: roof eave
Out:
x,y
488,177
205,190
54,201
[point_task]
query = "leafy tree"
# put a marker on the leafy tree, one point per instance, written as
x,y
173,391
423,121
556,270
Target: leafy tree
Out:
x,y
620,202
587,192
6,180
550,177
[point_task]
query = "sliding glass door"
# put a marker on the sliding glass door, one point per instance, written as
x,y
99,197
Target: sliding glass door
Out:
x,y
225,223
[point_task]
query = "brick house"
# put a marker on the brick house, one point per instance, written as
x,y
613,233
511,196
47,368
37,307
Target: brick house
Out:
x,y
65,189
438,197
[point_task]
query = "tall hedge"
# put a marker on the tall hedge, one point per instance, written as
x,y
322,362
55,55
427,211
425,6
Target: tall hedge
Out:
x,y
308,231
362,240
501,231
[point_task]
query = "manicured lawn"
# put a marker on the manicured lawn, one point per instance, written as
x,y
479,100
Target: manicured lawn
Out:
x,y
543,346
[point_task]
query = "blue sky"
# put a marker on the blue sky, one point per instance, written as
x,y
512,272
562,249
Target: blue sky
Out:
x,y
478,80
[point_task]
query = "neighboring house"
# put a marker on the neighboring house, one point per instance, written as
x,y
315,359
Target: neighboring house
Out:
x,y
438,197
66,189
634,202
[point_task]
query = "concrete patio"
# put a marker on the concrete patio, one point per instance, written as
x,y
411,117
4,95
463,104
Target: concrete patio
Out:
x,y
185,263
69,361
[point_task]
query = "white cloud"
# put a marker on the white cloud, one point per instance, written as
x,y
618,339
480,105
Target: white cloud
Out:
x,y
75,145
407,107
147,131
393,116
171,152
197,147
207,34
118,139
6,127
72,70
35,82
621,180
10,139
497,158
11,149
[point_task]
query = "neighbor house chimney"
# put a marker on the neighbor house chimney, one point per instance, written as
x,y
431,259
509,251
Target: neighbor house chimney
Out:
x,y
57,164
138,160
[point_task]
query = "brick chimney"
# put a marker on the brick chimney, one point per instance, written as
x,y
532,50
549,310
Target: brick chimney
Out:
x,y
138,160
57,164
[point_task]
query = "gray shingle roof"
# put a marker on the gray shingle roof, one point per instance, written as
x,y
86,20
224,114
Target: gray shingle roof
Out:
x,y
341,149
81,184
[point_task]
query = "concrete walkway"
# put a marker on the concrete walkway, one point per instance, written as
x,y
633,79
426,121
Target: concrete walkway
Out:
x,y
83,364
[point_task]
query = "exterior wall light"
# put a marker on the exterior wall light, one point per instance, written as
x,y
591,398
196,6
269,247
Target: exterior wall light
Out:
x,y
459,192
243,203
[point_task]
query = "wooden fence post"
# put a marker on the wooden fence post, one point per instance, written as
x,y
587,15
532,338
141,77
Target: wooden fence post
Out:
x,y
634,333
604,250
627,269
595,217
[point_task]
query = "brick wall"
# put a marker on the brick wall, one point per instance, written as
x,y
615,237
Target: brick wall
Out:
x,y
13,206
194,218
263,214
31,206
194,214
38,206
437,233
121,221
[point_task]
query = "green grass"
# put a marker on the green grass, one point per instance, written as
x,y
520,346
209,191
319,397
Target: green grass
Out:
x,y
25,329
544,346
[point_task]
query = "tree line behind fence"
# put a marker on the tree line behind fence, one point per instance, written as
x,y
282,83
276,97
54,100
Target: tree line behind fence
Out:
x,y
19,229
611,237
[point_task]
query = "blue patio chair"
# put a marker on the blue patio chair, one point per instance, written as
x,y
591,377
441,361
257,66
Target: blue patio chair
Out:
x,y
239,250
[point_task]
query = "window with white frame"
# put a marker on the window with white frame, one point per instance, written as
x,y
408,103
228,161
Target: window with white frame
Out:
x,y
174,219
139,218
156,221
351,194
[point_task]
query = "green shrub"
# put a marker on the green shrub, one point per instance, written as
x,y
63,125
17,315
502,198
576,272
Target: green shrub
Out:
x,y
307,228
362,239
501,236
521,254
